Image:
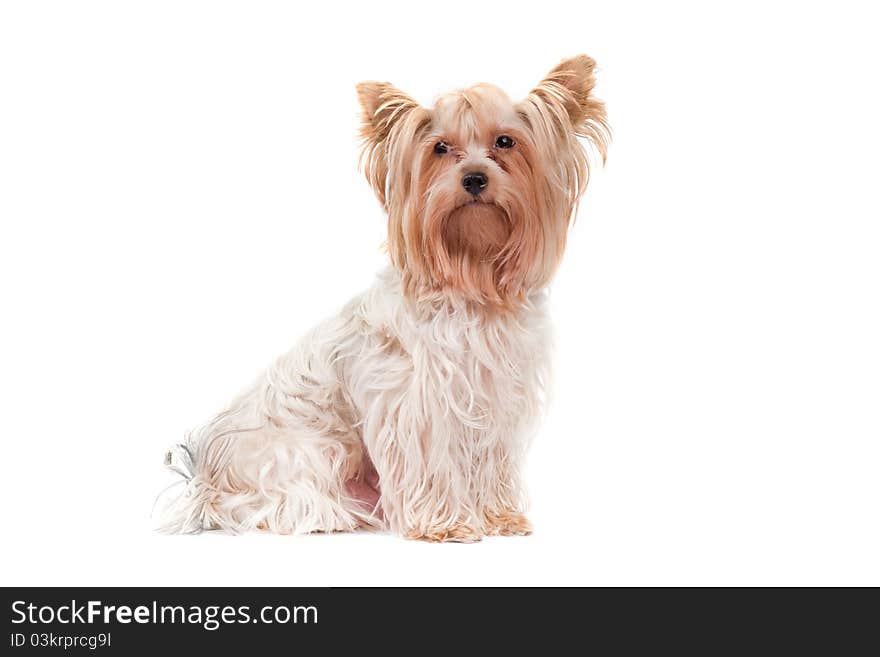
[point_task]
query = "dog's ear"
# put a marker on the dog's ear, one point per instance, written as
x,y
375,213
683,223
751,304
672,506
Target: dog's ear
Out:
x,y
383,107
567,91
571,84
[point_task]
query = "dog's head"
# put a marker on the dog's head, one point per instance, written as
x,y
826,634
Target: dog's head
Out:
x,y
480,190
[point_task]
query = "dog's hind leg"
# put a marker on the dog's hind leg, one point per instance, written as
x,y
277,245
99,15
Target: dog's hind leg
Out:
x,y
285,457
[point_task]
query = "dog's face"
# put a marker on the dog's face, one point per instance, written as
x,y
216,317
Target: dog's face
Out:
x,y
480,190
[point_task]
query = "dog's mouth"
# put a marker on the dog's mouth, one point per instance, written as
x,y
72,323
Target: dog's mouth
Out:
x,y
477,227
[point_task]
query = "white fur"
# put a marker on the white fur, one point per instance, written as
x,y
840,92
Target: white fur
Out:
x,y
441,397
412,408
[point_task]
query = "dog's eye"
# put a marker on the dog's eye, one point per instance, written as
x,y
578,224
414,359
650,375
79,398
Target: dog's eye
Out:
x,y
441,148
504,142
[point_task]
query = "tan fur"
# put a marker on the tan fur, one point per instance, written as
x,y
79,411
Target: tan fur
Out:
x,y
508,523
533,190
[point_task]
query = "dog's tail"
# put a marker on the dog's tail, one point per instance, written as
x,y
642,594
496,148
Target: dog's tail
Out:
x,y
182,512
179,459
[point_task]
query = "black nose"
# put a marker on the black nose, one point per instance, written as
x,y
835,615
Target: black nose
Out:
x,y
475,182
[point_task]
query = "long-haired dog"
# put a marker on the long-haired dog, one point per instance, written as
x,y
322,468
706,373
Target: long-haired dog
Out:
x,y
412,408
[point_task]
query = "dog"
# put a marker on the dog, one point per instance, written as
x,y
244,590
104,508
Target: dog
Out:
x,y
412,409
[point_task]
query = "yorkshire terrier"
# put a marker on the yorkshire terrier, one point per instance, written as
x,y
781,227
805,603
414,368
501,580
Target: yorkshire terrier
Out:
x,y
411,410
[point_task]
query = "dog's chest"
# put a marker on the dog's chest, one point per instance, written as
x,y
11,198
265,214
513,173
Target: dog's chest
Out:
x,y
451,363
482,372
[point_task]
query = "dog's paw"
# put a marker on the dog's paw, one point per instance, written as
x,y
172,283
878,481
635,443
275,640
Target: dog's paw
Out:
x,y
508,523
455,533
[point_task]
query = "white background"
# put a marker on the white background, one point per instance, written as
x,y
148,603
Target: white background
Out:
x,y
180,200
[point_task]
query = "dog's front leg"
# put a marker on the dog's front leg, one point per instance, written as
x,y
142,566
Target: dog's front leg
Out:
x,y
497,482
422,468
504,512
